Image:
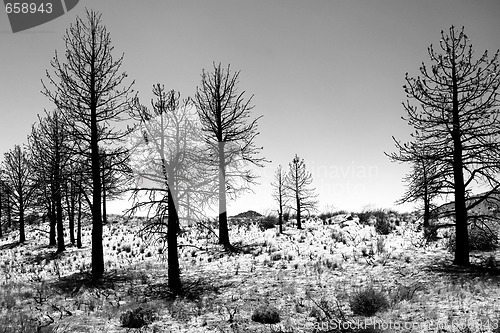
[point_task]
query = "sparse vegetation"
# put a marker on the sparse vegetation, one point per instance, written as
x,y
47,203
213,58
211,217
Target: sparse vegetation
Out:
x,y
137,318
368,302
481,238
266,314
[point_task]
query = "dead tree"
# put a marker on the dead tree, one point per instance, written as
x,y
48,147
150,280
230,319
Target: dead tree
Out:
x,y
279,194
50,155
457,121
424,182
88,89
229,133
297,184
21,185
169,177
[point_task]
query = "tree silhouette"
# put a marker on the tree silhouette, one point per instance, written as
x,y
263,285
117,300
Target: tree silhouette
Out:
x,y
297,185
279,193
225,117
87,91
50,155
169,178
456,121
424,182
18,178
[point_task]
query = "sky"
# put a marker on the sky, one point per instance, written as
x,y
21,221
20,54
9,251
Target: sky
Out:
x,y
326,75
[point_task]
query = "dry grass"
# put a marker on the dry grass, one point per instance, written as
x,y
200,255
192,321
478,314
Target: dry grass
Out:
x,y
307,276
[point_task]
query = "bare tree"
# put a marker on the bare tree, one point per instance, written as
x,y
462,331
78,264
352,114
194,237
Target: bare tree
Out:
x,y
297,184
225,117
87,91
424,182
21,185
457,121
279,194
50,156
169,177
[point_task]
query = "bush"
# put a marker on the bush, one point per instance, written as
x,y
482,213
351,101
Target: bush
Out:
x,y
480,238
266,314
368,302
327,215
383,226
137,318
268,222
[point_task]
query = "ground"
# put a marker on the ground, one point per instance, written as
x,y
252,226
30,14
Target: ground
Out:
x,y
310,276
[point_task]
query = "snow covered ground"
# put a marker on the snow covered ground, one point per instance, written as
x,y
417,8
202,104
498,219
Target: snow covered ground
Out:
x,y
299,273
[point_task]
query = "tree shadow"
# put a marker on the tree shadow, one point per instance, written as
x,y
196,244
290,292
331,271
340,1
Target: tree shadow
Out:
x,y
10,246
192,289
460,273
71,284
43,256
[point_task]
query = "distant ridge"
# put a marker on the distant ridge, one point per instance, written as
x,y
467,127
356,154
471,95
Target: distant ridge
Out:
x,y
247,214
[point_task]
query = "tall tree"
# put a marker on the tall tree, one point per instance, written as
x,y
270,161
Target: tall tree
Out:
x,y
298,186
457,121
21,185
88,89
424,182
50,156
230,133
279,194
165,161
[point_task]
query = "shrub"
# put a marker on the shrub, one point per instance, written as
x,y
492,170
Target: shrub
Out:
x,y
431,233
367,302
286,216
327,215
137,318
268,222
266,314
382,226
127,248
276,256
480,238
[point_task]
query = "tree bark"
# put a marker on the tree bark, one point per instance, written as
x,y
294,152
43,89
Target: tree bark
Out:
x,y
97,250
52,222
223,226
174,281
461,232
79,223
22,235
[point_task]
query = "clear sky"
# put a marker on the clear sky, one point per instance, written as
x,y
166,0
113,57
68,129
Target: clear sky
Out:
x,y
326,75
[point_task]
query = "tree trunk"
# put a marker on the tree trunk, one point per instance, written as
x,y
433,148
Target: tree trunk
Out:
x,y
97,250
223,226
22,236
174,281
52,221
59,218
280,221
70,204
79,223
59,208
299,223
9,213
461,232
104,213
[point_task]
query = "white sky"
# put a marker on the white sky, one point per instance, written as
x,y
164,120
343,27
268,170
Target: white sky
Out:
x,y
326,75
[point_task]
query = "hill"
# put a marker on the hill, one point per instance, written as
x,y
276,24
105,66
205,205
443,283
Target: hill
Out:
x,y
247,214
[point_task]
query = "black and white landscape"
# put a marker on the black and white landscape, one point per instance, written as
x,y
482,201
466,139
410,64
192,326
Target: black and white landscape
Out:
x,y
251,166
